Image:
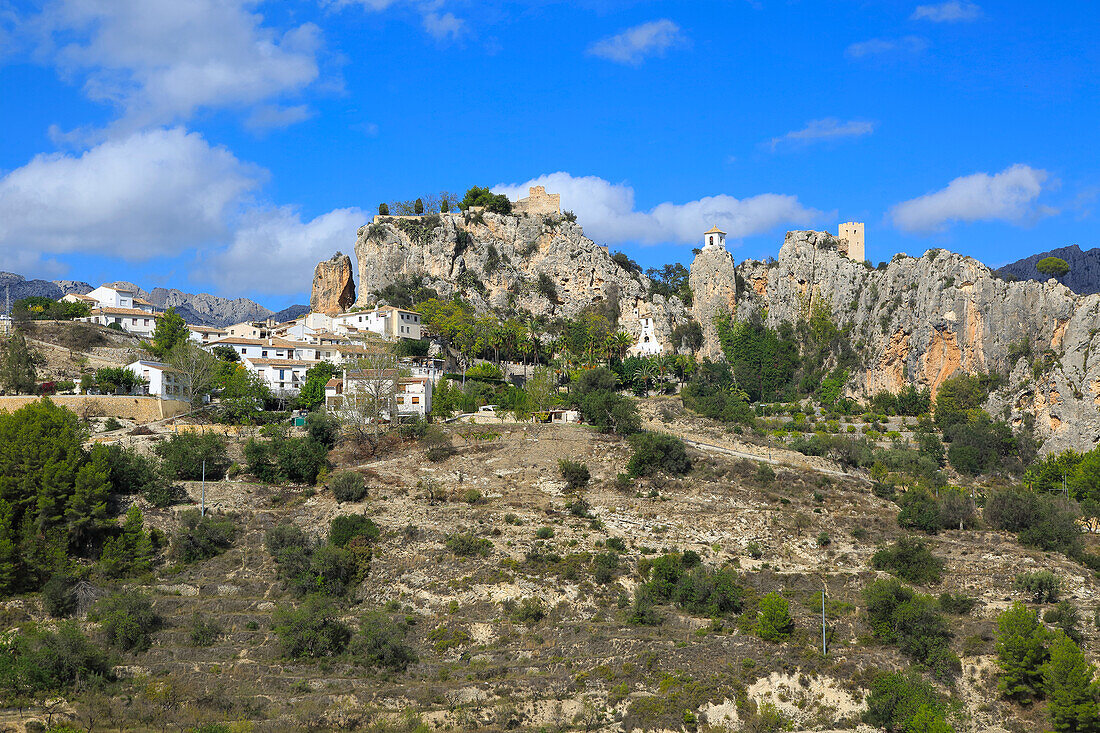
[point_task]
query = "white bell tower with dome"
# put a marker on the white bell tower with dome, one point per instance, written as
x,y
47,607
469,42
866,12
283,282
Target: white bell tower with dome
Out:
x,y
714,239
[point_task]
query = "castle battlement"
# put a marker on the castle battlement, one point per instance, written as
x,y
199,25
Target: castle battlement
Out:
x,y
538,202
850,234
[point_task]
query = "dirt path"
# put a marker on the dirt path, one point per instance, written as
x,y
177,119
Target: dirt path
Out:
x,y
774,461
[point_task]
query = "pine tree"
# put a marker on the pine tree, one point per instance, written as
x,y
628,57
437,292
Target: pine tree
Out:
x,y
928,720
17,365
418,207
1070,688
383,210
86,512
1021,651
9,549
138,542
171,330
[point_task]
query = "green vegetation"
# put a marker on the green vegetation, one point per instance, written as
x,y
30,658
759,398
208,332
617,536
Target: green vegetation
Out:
x,y
1053,267
282,459
311,630
898,615
329,567
18,365
185,453
348,486
497,203
312,394
171,330
909,559
40,308
680,579
1021,652
775,622
574,473
202,537
39,662
127,620
904,703
1042,585
654,452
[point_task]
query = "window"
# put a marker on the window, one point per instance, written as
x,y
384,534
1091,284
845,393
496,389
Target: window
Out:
x,y
281,375
264,354
416,400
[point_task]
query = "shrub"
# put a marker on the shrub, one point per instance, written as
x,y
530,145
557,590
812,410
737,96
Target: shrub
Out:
x,y
605,565
765,474
58,596
199,537
919,510
544,533
644,611
574,473
958,604
466,545
348,486
774,622
616,543
1021,651
1066,617
1041,585
655,452
380,643
312,630
547,288
184,454
343,529
897,699
529,611
126,619
910,560
38,661
898,615
203,631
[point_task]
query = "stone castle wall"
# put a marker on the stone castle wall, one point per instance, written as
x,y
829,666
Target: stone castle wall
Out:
x,y
538,202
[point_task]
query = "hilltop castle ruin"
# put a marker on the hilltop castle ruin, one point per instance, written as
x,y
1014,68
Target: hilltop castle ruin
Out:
x,y
538,202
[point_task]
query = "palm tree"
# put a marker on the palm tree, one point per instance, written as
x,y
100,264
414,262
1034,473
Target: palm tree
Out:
x,y
622,341
647,370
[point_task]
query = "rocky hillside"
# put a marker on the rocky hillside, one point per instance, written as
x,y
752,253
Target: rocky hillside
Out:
x,y
923,319
542,264
19,287
203,309
1084,268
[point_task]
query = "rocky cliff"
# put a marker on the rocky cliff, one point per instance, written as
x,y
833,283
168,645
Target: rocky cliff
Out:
x,y
713,283
333,286
541,264
1084,268
922,319
18,287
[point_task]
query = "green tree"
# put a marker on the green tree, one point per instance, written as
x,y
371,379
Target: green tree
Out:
x,y
418,207
1071,691
477,196
18,363
1021,652
1053,267
171,330
383,209
313,629
775,622
312,393
198,370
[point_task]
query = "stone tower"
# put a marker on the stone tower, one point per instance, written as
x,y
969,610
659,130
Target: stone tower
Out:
x,y
850,234
713,283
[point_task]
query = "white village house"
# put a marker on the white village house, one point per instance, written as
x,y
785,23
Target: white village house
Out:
x,y
388,321
383,392
121,306
161,379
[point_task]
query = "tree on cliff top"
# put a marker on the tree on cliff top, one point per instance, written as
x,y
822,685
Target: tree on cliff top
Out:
x,y
1052,266
497,203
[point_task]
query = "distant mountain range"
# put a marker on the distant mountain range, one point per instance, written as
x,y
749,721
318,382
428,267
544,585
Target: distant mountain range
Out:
x,y
199,309
1084,268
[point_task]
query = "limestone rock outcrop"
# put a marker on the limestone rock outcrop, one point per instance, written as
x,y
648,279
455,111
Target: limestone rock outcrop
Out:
x,y
713,283
922,319
542,264
333,286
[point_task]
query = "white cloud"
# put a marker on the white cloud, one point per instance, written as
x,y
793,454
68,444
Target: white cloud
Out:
x,y
1008,196
272,116
829,128
949,12
607,211
161,61
879,46
633,45
137,197
443,27
275,252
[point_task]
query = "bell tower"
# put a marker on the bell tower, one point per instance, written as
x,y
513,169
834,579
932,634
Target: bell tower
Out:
x,y
714,238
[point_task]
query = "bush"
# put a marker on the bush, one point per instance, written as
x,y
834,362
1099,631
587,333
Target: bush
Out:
x,y
380,643
1066,617
898,615
644,611
312,630
1042,585
298,460
184,454
897,700
775,622
126,619
348,486
919,510
345,528
544,533
529,611
200,538
574,473
958,604
655,452
35,661
466,545
910,560
203,631
58,596
605,565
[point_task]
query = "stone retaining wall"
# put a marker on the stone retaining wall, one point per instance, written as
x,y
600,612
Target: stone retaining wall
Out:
x,y
139,409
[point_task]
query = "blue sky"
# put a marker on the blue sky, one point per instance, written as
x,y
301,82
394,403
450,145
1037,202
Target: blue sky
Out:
x,y
227,145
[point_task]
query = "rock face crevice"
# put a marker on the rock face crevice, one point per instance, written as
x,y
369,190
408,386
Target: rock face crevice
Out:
x,y
923,319
333,286
543,265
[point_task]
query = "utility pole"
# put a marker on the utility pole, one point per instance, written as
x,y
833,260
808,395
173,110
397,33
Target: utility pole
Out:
x,y
202,512
824,650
